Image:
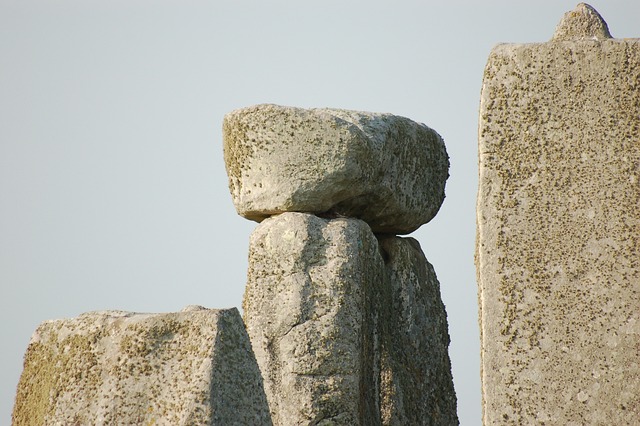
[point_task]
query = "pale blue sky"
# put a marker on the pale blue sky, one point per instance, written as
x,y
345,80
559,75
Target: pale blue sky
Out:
x,y
113,193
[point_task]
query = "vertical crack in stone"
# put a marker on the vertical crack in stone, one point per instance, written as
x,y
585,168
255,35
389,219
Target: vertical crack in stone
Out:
x,y
374,348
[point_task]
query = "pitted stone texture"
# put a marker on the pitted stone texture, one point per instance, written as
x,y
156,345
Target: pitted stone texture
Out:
x,y
114,367
340,337
307,313
386,170
582,23
416,382
558,246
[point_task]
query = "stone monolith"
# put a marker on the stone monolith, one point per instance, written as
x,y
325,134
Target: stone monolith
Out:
x,y
558,247
386,170
346,330
194,367
416,382
309,315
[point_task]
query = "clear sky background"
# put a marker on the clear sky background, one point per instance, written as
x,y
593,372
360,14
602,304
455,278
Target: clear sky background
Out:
x,y
113,193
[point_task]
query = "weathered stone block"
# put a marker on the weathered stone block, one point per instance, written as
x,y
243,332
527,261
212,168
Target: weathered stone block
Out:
x,y
341,337
309,320
113,367
416,382
558,226
386,170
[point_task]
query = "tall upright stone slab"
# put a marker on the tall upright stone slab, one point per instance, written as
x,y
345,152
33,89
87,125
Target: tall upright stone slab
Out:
x,y
309,313
416,385
346,330
558,250
193,367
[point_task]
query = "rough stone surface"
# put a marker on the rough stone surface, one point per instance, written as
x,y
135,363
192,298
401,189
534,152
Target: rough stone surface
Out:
x,y
307,313
558,247
386,170
113,367
582,23
341,337
416,382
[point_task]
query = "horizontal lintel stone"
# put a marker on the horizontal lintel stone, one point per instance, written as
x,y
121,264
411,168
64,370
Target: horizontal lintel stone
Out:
x,y
384,169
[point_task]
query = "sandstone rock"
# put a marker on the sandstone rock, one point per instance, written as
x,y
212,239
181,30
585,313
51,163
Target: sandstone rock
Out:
x,y
582,23
341,338
416,382
558,226
309,320
113,367
386,170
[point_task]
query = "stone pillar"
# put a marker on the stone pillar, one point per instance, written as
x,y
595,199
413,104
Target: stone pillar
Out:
x,y
558,247
347,330
114,367
416,383
345,319
310,315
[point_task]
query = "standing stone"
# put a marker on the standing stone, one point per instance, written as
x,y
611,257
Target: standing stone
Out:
x,y
416,385
308,312
558,246
386,170
346,331
104,368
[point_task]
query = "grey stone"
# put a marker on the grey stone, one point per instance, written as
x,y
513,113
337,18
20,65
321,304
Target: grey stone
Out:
x,y
341,337
416,382
386,170
558,227
305,306
114,367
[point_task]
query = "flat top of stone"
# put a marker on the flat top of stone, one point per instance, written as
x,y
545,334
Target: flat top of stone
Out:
x,y
582,23
116,367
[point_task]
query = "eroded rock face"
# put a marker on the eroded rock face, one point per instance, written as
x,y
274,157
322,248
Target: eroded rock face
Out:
x,y
582,23
114,367
342,336
307,313
416,382
386,170
558,226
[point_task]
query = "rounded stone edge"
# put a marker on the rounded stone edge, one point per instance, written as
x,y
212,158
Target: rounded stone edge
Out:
x,y
376,139
582,23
